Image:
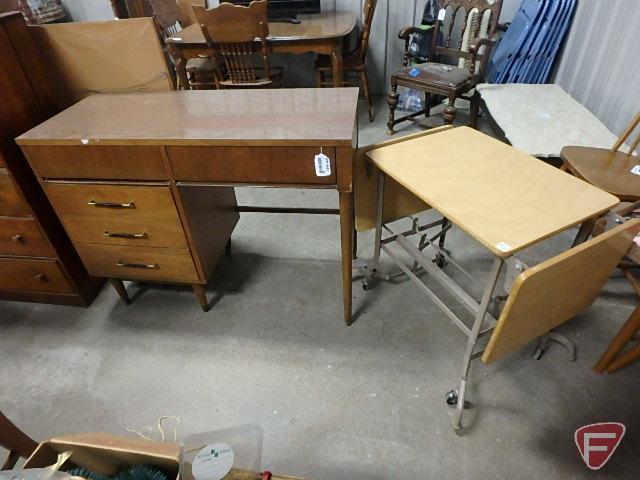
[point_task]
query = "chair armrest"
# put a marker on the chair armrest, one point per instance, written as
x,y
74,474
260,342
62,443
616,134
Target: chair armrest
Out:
x,y
404,33
476,43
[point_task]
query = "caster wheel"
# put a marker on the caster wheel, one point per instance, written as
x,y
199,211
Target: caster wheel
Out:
x,y
538,353
440,260
451,398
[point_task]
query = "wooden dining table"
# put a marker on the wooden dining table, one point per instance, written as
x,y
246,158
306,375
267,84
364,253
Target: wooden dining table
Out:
x,y
322,33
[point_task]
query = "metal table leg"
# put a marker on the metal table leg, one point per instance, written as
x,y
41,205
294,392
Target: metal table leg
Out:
x,y
473,338
371,269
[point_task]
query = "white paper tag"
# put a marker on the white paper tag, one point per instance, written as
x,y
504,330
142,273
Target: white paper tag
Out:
x,y
503,247
636,170
441,14
213,462
323,165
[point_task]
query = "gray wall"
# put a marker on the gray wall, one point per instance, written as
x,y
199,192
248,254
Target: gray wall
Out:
x,y
600,65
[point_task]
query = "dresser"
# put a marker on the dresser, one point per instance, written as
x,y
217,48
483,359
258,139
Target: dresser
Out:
x,y
37,260
144,183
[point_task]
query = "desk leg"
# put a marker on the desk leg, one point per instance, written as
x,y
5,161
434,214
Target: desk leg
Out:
x,y
346,237
337,64
473,338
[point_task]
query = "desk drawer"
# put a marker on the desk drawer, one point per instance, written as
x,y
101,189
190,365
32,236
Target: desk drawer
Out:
x,y
117,162
139,263
21,236
12,203
276,165
118,214
33,275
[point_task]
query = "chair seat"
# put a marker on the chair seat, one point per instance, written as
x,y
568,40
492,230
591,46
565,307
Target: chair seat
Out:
x,y
435,74
610,171
276,76
323,63
206,65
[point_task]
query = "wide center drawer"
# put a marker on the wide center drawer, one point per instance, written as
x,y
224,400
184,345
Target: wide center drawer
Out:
x,y
33,275
118,214
277,165
140,263
21,236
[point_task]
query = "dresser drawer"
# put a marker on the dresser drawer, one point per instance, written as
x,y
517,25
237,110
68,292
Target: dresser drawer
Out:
x,y
22,236
289,165
139,263
117,162
12,203
118,214
33,275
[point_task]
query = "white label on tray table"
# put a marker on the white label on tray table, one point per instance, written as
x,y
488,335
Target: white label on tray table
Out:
x,y
213,462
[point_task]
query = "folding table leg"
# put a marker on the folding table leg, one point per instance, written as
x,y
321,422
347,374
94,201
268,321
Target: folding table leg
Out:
x,y
371,269
473,338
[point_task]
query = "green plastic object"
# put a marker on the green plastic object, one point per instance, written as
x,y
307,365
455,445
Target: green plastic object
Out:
x,y
136,472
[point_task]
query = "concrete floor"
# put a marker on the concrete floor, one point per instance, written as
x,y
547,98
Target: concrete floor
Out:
x,y
364,402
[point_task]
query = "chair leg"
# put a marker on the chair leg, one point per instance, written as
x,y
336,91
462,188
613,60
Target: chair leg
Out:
x,y
626,333
201,295
122,292
450,111
427,104
319,78
475,110
624,359
392,98
365,86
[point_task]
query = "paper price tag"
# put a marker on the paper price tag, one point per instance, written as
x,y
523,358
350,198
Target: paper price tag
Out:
x,y
441,14
503,247
213,462
636,170
323,165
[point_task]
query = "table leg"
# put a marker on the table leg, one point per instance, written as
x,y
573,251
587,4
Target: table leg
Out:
x,y
346,237
118,286
337,64
473,338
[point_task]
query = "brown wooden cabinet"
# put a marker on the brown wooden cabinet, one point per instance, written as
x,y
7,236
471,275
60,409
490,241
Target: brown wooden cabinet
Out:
x,y
37,260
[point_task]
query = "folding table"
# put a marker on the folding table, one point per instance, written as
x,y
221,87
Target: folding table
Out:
x,y
507,201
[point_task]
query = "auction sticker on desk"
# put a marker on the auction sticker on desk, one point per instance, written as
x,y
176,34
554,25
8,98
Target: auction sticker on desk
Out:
x,y
323,165
213,462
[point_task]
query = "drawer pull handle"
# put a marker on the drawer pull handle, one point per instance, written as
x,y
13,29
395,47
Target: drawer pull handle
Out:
x,y
124,235
18,238
137,265
42,277
93,203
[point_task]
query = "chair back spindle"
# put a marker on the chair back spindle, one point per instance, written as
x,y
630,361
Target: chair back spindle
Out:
x,y
627,133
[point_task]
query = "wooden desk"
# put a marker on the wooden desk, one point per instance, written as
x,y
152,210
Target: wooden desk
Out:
x,y
173,155
506,200
321,33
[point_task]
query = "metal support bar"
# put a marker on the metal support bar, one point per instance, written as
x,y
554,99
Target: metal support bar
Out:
x,y
473,338
316,211
454,318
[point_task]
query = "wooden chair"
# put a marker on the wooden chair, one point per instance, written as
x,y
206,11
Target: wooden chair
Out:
x,y
168,21
16,441
612,359
435,77
238,35
355,61
608,169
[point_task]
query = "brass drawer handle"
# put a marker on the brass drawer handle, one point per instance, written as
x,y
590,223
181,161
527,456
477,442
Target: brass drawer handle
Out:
x,y
18,238
93,203
124,235
137,265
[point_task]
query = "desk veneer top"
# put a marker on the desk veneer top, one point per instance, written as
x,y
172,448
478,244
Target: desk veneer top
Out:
x,y
302,116
504,198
